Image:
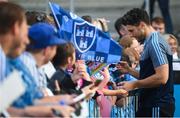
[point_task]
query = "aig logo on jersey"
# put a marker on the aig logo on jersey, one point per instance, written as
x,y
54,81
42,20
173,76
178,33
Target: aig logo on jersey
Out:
x,y
84,36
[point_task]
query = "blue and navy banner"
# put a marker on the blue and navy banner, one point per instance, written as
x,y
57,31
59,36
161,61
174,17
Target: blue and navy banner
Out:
x,y
90,43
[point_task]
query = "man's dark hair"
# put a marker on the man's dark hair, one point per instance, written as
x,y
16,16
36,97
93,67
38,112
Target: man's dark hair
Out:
x,y
158,20
10,13
35,17
135,16
63,52
87,18
118,24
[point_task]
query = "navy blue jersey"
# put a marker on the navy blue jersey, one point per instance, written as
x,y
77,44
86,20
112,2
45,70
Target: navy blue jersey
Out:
x,y
156,53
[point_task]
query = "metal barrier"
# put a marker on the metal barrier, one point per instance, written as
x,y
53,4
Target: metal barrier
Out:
x,y
127,111
94,110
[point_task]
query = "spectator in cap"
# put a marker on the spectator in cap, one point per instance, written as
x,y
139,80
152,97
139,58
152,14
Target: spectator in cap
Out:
x,y
34,17
42,48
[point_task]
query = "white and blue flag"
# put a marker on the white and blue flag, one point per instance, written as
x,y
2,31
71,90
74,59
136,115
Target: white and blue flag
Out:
x,y
90,43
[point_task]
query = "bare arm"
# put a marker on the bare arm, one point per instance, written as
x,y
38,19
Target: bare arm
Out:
x,y
108,92
30,111
54,99
159,78
40,111
125,68
134,73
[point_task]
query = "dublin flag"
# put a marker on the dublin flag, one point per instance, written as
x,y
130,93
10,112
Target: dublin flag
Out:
x,y
90,43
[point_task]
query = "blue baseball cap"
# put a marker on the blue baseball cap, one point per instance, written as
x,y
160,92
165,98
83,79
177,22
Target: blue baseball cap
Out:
x,y
43,35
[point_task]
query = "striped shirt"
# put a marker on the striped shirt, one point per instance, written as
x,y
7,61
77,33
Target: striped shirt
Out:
x,y
156,53
32,92
38,75
155,47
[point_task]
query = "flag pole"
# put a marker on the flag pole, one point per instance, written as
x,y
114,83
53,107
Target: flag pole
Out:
x,y
72,6
58,25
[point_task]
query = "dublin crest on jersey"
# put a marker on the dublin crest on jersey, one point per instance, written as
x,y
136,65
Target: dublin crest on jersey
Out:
x,y
84,36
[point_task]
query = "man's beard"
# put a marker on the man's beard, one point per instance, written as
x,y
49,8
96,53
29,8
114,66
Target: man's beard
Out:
x,y
142,38
142,41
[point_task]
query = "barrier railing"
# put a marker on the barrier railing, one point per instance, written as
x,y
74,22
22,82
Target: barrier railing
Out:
x,y
128,110
94,110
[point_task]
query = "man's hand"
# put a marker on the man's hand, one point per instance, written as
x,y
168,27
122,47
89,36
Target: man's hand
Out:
x,y
123,67
128,86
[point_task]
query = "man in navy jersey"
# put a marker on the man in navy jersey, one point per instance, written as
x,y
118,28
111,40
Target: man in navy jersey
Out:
x,y
156,74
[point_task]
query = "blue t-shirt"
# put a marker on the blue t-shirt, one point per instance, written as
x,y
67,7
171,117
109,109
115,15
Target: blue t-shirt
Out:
x,y
31,92
156,53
